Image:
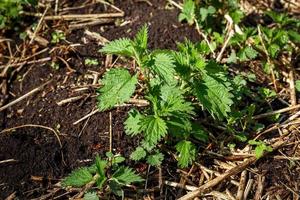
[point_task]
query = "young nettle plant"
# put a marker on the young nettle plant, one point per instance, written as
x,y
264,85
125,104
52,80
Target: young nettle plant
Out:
x,y
268,41
108,173
206,13
260,147
10,11
57,36
171,81
91,62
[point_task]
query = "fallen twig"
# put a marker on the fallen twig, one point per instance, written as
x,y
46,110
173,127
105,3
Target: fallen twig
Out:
x,y
96,36
25,62
90,23
259,188
292,87
42,41
241,189
268,114
230,34
8,161
205,38
24,96
268,56
136,102
77,16
69,100
227,174
37,126
36,30
178,185
248,188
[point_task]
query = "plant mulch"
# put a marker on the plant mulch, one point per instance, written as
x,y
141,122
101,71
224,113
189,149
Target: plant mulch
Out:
x,y
40,144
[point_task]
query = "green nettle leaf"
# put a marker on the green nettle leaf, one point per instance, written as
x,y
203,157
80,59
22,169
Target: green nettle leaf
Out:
x,y
260,148
273,50
78,178
155,160
240,136
247,53
259,151
116,188
101,165
204,12
163,66
294,36
173,102
92,169
118,159
100,181
188,12
214,95
109,154
187,153
126,176
132,123
121,46
90,196
141,38
199,133
118,87
138,154
250,52
154,129
232,58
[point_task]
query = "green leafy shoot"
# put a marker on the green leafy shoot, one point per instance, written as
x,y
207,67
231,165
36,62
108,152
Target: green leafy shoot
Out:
x,y
215,96
132,123
204,12
173,102
91,62
171,80
260,148
57,36
91,196
154,129
138,154
163,66
121,46
78,178
141,39
10,11
187,153
118,87
188,12
98,174
126,176
155,159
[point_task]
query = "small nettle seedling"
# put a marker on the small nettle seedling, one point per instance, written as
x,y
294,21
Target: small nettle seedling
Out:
x,y
260,147
171,80
188,12
108,173
205,14
57,36
91,62
54,65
